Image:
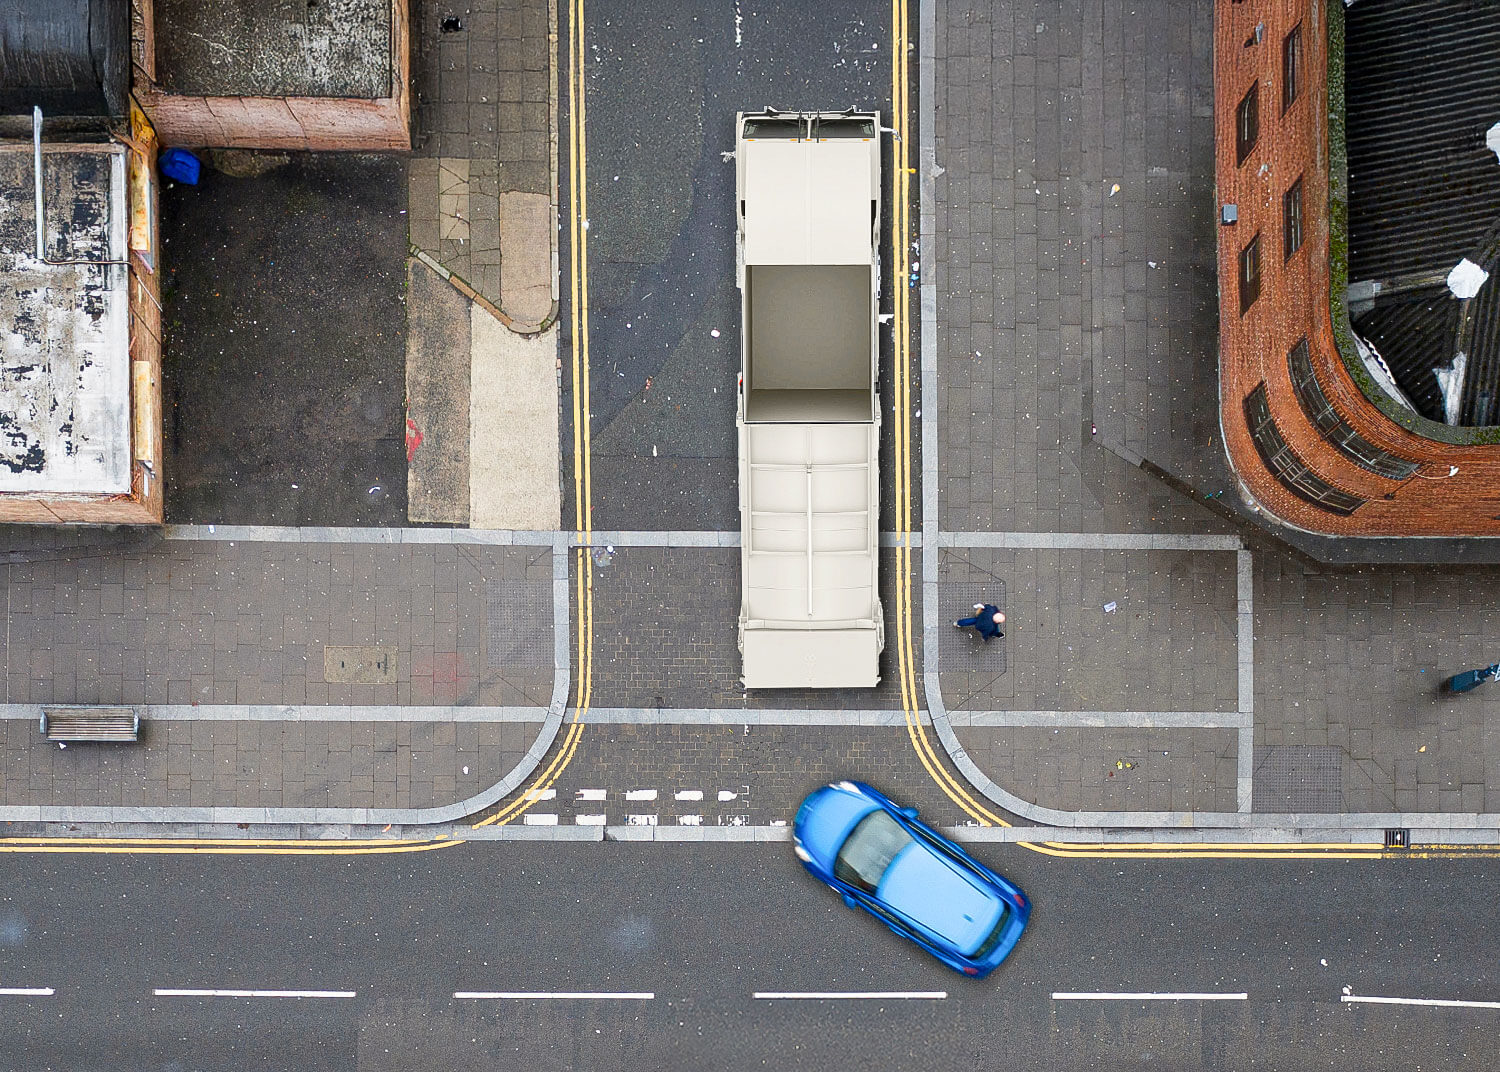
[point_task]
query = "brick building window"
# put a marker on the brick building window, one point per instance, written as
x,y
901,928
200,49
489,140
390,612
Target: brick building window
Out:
x,y
1291,67
1286,466
1249,274
1334,428
1291,219
1247,124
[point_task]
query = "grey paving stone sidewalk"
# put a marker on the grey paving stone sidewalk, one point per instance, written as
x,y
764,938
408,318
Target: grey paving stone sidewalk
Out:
x,y
1085,769
1093,630
482,175
1354,660
1032,98
1075,291
268,623
265,764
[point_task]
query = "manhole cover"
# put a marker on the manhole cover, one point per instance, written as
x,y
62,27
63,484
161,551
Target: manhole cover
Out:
x,y
359,665
518,625
1296,778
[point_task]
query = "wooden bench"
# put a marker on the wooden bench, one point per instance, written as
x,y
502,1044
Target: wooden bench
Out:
x,y
91,724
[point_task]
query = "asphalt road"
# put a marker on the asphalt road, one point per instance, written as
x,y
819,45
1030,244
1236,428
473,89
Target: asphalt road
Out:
x,y
663,82
703,929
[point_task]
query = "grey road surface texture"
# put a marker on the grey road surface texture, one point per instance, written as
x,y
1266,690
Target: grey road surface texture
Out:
x,y
638,959
663,83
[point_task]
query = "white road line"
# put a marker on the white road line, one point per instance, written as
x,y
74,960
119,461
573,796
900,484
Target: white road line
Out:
x,y
688,794
641,794
27,991
545,794
566,995
592,820
850,995
592,794
1444,1003
640,820
726,794
254,993
543,819
1073,995
690,820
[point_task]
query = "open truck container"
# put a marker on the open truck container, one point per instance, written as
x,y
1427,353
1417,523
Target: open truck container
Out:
x,y
809,417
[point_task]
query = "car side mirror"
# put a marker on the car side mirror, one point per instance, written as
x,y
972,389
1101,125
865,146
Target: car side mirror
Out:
x,y
910,813
849,901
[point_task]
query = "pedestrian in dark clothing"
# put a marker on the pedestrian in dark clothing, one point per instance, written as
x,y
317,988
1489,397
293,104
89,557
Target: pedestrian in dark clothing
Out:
x,y
985,621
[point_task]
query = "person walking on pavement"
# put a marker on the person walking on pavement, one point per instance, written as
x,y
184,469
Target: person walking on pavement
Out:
x,y
986,621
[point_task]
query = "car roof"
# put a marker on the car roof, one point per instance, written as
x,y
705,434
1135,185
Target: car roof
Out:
x,y
939,894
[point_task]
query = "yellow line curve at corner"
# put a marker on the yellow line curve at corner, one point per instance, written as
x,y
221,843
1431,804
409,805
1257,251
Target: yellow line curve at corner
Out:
x,y
578,232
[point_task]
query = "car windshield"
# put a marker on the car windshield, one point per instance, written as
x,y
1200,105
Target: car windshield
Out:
x,y
869,849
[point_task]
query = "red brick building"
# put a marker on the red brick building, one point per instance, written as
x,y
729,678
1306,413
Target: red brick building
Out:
x,y
1317,440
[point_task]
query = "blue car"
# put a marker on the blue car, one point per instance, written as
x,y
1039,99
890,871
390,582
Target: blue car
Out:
x,y
910,877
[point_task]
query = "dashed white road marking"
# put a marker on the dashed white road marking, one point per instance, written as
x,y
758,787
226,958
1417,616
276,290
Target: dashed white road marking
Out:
x,y
27,991
1079,995
566,995
640,820
544,794
1443,1003
167,993
592,820
850,995
726,794
592,794
690,820
688,794
641,794
544,819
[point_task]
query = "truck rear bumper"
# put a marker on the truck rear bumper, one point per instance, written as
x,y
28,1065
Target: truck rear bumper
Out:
x,y
811,658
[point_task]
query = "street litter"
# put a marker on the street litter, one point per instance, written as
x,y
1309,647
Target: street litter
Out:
x,y
1111,607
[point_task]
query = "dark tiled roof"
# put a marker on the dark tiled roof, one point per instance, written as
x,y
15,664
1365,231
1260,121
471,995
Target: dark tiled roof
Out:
x,y
1422,86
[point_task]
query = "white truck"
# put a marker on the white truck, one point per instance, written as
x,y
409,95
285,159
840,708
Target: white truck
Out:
x,y
808,233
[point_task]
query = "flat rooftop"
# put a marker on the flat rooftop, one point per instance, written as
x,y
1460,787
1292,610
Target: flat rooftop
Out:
x,y
1422,89
271,48
64,328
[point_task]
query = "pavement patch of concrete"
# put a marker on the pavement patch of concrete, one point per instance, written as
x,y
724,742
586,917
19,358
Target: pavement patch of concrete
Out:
x,y
513,469
526,228
437,399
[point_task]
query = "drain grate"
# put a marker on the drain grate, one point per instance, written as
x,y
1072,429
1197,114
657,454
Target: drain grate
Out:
x,y
960,650
518,625
1305,779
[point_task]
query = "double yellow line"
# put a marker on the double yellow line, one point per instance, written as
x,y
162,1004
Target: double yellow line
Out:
x,y
220,846
578,232
901,172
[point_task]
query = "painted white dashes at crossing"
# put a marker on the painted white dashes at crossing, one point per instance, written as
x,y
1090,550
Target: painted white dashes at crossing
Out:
x,y
595,815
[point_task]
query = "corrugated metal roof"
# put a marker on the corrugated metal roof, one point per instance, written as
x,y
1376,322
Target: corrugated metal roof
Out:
x,y
1422,86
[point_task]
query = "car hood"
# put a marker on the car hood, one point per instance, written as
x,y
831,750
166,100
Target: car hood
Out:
x,y
928,890
825,819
